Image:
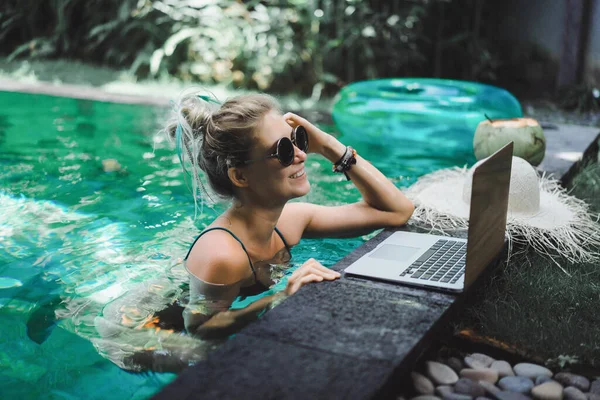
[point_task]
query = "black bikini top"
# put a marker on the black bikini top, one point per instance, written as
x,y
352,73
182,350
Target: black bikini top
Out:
x,y
257,287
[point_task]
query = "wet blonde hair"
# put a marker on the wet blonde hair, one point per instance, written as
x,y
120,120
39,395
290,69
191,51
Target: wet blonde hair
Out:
x,y
215,137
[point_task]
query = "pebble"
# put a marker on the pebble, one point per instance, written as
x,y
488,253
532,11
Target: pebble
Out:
x,y
468,387
456,396
519,384
455,363
531,370
478,361
421,383
487,374
572,393
542,379
490,388
477,381
595,388
548,391
503,368
511,396
444,390
441,374
569,379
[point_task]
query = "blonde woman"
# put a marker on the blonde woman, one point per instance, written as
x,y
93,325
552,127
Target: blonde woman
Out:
x,y
254,155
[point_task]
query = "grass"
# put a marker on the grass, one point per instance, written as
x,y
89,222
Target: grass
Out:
x,y
532,304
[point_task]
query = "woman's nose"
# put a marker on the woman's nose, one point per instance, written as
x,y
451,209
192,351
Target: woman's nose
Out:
x,y
299,155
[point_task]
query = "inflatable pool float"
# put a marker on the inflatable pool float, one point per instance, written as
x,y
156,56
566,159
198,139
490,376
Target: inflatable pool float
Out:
x,y
419,113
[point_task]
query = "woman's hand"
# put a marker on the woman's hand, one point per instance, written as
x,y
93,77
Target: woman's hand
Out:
x,y
318,141
310,271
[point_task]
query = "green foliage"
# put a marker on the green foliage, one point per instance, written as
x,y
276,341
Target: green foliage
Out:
x,y
96,30
282,45
586,185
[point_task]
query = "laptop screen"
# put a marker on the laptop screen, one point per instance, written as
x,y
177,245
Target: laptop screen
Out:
x,y
489,205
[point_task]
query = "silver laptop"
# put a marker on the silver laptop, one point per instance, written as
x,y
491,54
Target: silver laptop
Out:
x,y
442,262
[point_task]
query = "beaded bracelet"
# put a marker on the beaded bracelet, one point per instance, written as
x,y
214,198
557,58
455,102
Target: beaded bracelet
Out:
x,y
345,162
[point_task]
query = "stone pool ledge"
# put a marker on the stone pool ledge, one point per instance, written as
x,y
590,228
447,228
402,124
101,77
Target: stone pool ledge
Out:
x,y
351,338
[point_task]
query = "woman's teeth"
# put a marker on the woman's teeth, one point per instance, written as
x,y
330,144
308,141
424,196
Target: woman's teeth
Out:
x,y
298,174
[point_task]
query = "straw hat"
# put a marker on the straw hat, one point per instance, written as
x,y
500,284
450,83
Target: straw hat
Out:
x,y
540,212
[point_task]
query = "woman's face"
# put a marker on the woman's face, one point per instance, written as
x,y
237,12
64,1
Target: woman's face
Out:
x,y
267,178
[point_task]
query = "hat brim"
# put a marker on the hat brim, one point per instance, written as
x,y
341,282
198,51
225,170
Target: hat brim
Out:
x,y
562,222
443,192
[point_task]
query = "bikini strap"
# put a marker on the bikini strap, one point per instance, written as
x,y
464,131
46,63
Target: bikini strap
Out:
x,y
235,237
283,240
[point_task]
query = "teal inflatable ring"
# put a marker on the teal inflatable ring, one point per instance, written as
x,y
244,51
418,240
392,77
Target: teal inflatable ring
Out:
x,y
441,111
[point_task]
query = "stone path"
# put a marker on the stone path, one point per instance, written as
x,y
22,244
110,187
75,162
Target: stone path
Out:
x,y
481,377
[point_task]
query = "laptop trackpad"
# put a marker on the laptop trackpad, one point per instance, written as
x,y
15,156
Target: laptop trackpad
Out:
x,y
393,252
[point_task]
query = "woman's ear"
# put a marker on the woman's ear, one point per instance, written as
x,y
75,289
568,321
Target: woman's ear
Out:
x,y
237,177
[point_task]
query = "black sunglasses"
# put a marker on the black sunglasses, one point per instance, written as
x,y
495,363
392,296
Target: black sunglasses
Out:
x,y
284,149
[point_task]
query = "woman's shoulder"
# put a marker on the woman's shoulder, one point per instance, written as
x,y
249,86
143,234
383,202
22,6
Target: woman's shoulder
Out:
x,y
293,221
218,257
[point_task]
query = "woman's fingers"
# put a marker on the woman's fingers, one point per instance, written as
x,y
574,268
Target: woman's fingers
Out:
x,y
317,267
329,275
325,270
298,283
310,271
294,119
311,278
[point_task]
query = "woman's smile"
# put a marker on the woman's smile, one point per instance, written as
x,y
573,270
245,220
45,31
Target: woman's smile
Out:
x,y
298,174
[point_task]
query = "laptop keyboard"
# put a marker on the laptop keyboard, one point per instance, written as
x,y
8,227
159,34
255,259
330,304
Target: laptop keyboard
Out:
x,y
443,262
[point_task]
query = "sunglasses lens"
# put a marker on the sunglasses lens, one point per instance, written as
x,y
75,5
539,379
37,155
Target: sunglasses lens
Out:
x,y
285,151
301,138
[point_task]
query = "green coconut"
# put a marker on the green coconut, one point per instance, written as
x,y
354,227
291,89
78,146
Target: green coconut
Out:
x,y
526,133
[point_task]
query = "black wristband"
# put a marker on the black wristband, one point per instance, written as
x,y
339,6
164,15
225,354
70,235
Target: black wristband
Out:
x,y
342,157
344,164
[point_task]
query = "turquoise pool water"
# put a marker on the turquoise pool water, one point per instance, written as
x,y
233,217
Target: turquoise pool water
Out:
x,y
74,238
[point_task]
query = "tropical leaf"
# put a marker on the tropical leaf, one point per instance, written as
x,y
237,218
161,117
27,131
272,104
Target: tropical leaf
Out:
x,y
155,61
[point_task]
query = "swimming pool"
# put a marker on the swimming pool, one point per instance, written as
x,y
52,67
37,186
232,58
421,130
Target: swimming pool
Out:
x,y
74,238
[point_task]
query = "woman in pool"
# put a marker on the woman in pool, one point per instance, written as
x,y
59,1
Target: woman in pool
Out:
x,y
254,155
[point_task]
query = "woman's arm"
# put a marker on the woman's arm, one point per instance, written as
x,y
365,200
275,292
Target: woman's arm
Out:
x,y
383,203
225,323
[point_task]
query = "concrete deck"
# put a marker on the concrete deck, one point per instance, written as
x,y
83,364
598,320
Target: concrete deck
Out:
x,y
565,146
